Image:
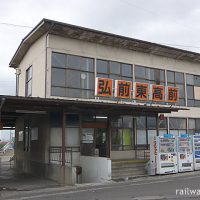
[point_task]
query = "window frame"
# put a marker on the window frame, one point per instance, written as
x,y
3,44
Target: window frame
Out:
x,y
28,81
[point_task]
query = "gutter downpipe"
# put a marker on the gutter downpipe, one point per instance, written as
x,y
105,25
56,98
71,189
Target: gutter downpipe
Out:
x,y
45,95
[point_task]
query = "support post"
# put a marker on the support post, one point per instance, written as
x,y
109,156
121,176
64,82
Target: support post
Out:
x,y
63,137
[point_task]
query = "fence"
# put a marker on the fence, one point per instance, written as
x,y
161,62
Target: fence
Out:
x,y
55,154
142,154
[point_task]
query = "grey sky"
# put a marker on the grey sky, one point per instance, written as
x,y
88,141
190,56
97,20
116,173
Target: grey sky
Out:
x,y
171,22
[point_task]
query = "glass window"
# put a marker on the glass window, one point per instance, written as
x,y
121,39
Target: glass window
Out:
x,y
72,120
114,67
170,77
140,72
179,77
58,77
87,64
73,92
141,137
151,122
87,80
141,122
126,70
189,79
58,60
191,123
102,66
197,80
56,119
190,103
127,122
28,83
163,123
58,91
181,90
190,92
73,78
73,62
177,123
197,124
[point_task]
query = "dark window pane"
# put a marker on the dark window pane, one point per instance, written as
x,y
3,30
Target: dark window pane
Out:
x,y
72,120
170,77
197,80
177,123
73,62
87,64
103,75
56,119
58,60
73,92
190,92
163,123
190,79
126,78
58,77
151,122
115,77
126,70
127,122
179,78
102,66
181,102
140,72
181,90
197,103
190,103
153,74
114,67
141,122
197,124
58,91
162,75
87,80
73,78
191,123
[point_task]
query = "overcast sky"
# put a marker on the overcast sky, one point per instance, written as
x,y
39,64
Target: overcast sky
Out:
x,y
171,22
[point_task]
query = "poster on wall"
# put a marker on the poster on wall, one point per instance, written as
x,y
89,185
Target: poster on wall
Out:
x,y
20,136
34,134
87,135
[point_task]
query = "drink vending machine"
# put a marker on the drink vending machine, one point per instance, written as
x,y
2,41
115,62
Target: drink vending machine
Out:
x,y
185,153
163,153
196,151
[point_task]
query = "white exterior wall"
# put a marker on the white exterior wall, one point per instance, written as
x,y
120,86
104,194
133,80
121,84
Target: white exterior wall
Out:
x,y
95,169
35,57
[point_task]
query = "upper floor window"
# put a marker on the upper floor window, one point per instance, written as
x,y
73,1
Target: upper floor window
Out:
x,y
193,90
176,79
114,70
28,86
72,76
149,75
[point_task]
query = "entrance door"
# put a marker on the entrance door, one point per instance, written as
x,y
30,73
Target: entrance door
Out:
x,y
100,141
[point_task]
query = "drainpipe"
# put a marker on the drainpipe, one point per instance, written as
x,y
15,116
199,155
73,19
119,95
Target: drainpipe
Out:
x,y
1,106
18,72
46,59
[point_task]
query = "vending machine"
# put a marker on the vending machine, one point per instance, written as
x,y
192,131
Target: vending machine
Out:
x,y
185,153
166,159
196,151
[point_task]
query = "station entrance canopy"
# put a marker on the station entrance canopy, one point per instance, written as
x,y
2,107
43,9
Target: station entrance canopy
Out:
x,y
11,107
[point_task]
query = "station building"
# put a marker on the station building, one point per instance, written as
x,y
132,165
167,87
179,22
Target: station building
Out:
x,y
88,102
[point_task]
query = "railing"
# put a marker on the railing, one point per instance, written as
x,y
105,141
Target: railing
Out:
x,y
142,154
55,154
6,147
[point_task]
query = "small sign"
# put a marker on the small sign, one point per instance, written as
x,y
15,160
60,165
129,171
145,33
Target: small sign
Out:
x,y
104,87
141,91
123,89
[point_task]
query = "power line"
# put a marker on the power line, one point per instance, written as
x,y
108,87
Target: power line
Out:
x,y
15,25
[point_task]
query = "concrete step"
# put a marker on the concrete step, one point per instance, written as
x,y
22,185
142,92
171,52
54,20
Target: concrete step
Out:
x,y
125,169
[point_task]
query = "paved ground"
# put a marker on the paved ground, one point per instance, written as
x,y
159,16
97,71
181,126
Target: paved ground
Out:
x,y
176,186
15,186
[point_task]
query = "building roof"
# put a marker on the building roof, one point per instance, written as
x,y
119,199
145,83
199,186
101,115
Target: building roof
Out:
x,y
12,107
90,35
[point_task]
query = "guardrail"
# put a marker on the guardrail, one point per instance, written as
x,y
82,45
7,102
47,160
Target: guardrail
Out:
x,y
55,154
142,154
6,147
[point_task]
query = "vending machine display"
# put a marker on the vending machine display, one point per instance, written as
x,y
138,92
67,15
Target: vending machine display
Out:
x,y
196,151
185,154
166,159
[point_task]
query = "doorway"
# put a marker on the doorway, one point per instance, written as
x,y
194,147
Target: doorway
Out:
x,y
101,141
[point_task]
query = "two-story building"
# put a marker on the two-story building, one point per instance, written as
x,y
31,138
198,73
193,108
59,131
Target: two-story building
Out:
x,y
78,104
